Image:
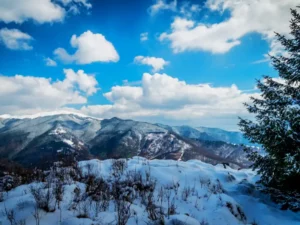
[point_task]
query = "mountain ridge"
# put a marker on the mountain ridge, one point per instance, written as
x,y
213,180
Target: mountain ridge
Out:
x,y
32,140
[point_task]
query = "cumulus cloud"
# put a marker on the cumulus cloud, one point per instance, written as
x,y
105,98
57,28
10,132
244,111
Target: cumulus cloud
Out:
x,y
15,39
156,63
27,94
144,36
50,62
156,98
86,83
260,16
162,98
90,48
161,5
40,11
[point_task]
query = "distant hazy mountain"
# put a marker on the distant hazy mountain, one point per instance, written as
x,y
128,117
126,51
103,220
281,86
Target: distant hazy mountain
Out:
x,y
40,140
208,134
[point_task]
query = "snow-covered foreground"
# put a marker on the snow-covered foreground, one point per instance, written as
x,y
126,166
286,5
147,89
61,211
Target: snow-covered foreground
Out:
x,y
188,193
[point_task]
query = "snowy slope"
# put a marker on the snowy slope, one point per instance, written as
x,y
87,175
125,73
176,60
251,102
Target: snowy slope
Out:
x,y
200,192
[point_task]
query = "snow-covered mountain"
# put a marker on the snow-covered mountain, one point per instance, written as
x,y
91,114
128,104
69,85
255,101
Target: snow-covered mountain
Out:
x,y
43,138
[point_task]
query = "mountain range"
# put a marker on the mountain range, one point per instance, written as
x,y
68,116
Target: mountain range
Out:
x,y
41,140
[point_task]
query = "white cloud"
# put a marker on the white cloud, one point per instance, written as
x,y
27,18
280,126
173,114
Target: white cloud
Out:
x,y
15,39
86,83
85,3
73,6
187,9
90,48
40,11
261,61
131,83
144,36
162,98
156,63
157,98
50,62
260,16
27,94
160,5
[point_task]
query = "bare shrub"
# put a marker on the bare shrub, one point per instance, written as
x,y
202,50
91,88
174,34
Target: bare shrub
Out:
x,y
58,191
154,212
176,187
123,211
241,214
37,214
236,211
186,192
204,182
43,197
76,198
216,188
1,196
168,193
83,209
170,204
118,166
230,177
99,192
10,215
172,208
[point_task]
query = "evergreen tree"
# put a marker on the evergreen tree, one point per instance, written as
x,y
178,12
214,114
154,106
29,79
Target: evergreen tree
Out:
x,y
277,118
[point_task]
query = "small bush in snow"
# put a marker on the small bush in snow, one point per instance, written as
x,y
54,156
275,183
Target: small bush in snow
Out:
x,y
236,211
230,177
118,166
154,212
123,211
43,197
83,209
216,188
172,208
204,182
186,192
10,215
1,196
37,214
58,192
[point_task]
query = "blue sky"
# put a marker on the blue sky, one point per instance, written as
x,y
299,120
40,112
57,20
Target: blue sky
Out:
x,y
196,64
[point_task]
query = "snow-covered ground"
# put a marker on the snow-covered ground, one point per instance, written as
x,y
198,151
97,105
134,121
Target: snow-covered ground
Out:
x,y
200,193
